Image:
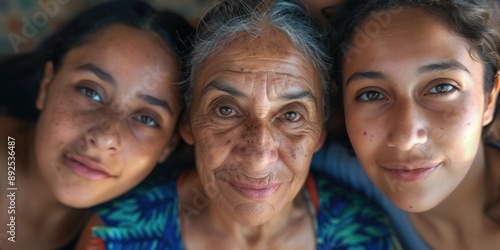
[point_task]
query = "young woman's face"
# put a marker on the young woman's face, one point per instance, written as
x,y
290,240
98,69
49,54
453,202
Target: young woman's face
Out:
x,y
415,106
108,116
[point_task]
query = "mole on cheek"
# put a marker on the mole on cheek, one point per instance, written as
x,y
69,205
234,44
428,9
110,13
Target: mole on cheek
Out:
x,y
364,133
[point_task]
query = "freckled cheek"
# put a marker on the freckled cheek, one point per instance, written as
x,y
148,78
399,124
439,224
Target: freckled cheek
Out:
x,y
364,132
212,146
58,120
297,154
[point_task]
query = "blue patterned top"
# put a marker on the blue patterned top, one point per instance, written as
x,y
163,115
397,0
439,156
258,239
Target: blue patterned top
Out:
x,y
148,218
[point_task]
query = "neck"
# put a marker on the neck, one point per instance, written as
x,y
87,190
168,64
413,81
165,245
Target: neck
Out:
x,y
464,208
251,234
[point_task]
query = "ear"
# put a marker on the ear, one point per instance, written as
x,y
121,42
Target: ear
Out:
x,y
491,101
48,74
321,140
185,130
169,148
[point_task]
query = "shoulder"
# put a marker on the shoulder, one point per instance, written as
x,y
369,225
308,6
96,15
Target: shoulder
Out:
x,y
141,217
349,219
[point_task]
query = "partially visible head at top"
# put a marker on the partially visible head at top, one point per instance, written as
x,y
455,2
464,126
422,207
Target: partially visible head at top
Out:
x,y
419,84
109,100
256,99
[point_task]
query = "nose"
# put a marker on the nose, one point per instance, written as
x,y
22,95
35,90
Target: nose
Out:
x,y
408,126
258,148
105,135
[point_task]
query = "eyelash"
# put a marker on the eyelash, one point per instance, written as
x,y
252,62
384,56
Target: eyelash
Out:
x,y
86,90
139,119
359,97
450,91
452,88
232,115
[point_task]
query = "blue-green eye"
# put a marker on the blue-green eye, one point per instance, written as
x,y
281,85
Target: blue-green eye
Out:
x,y
442,88
147,120
370,95
90,93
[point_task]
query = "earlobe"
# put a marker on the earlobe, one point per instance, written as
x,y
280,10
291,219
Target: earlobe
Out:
x,y
48,74
185,130
491,102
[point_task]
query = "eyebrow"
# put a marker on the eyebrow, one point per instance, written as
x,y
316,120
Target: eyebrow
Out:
x,y
155,101
221,87
441,66
300,94
433,67
103,75
370,75
294,95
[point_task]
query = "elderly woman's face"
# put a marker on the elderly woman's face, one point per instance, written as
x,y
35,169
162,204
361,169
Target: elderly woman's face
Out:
x,y
256,120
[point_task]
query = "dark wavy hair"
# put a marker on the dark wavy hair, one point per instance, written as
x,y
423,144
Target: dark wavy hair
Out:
x,y
20,76
467,18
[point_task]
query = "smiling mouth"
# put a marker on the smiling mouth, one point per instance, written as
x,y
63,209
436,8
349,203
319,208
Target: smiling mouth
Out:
x,y
411,175
253,192
86,168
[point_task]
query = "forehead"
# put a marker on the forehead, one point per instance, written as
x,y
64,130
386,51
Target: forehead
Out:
x,y
270,55
412,37
118,47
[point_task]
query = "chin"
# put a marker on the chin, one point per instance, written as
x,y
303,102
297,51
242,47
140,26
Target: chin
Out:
x,y
415,204
252,221
77,198
253,214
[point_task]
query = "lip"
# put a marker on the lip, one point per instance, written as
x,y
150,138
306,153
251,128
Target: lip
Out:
x,y
87,167
410,173
255,191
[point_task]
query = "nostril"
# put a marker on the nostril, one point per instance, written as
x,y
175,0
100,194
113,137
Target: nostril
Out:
x,y
93,142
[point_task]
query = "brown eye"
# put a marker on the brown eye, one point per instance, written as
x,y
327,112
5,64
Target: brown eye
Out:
x,y
442,88
370,95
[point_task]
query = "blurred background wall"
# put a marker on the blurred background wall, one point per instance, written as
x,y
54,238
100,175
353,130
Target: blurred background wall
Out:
x,y
24,23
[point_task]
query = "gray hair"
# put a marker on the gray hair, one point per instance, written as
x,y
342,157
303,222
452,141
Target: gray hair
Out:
x,y
223,22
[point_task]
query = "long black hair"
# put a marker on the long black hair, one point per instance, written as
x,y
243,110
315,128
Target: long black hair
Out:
x,y
20,76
